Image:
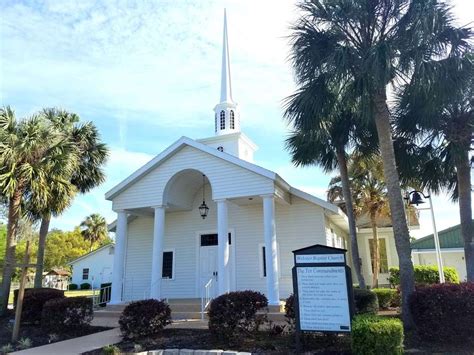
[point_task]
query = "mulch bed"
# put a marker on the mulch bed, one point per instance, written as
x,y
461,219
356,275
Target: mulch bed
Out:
x,y
267,343
260,343
37,334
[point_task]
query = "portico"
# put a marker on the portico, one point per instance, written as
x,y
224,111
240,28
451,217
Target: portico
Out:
x,y
174,201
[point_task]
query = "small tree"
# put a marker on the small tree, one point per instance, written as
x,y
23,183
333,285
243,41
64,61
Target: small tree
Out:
x,y
369,194
94,229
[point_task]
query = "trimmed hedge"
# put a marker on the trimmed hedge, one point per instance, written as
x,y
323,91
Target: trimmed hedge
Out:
x,y
144,318
387,297
365,301
372,335
444,312
86,286
234,314
65,313
33,302
425,275
72,287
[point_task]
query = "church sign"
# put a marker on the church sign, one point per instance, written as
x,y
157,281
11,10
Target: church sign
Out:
x,y
322,285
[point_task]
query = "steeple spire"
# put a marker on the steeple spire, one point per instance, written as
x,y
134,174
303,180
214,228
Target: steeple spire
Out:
x,y
226,87
227,116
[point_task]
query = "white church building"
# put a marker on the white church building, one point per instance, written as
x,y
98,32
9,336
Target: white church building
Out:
x,y
202,217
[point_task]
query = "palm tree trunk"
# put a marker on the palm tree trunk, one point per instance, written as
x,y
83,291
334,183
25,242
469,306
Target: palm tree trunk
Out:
x,y
399,223
346,192
376,252
43,232
465,212
10,260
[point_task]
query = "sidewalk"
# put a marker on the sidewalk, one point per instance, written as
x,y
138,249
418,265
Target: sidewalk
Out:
x,y
76,345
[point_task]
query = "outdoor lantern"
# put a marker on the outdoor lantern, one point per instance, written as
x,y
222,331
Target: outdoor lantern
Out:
x,y
203,209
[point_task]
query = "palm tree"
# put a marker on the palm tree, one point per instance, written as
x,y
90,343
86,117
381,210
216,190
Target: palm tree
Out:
x,y
321,137
443,132
365,46
369,194
33,155
91,155
94,229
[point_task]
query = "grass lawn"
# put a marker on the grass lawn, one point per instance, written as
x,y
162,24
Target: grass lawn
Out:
x,y
76,293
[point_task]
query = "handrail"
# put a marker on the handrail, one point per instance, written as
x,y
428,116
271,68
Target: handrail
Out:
x,y
104,292
206,296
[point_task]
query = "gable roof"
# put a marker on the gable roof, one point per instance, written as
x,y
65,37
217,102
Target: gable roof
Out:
x,y
173,149
91,253
448,238
185,141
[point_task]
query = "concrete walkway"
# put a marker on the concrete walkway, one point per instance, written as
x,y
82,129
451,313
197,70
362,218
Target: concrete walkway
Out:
x,y
76,345
98,340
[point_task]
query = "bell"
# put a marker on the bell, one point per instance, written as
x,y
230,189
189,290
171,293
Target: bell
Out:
x,y
416,199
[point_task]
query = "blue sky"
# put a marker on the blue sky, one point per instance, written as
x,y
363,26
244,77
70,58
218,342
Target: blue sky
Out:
x,y
148,72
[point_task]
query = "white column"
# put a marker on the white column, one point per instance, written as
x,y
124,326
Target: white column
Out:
x,y
119,254
157,252
223,247
271,254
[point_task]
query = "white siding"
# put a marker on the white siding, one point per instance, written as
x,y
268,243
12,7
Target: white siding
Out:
x,y
227,180
298,225
450,258
100,268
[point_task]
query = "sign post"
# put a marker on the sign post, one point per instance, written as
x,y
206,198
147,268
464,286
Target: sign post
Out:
x,y
322,287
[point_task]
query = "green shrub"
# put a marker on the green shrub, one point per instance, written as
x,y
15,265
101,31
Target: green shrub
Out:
x,y
110,350
365,301
444,312
144,318
85,286
387,297
33,302
425,275
373,335
67,313
234,314
72,287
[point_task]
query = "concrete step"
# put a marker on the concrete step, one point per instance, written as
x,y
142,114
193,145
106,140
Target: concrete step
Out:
x,y
185,307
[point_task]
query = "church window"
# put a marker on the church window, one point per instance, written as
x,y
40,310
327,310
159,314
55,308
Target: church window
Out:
x,y
222,119
168,265
215,122
232,119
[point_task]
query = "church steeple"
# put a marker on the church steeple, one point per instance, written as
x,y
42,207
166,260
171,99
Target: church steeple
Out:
x,y
226,87
227,118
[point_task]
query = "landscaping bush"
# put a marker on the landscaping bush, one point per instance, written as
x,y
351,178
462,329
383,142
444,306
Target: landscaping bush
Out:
x,y
387,297
372,335
72,287
34,300
234,314
365,301
425,275
290,314
85,286
444,312
144,318
65,313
